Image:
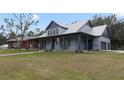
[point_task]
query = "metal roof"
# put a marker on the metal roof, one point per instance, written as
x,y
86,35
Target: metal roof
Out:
x,y
98,30
74,27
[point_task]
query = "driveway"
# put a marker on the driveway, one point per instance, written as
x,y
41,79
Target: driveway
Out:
x,y
117,51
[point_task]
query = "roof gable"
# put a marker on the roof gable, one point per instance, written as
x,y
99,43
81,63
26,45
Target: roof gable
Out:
x,y
106,33
54,24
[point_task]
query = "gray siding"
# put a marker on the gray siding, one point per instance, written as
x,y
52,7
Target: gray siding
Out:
x,y
83,44
52,25
61,30
97,43
57,44
103,39
73,44
52,29
48,44
106,34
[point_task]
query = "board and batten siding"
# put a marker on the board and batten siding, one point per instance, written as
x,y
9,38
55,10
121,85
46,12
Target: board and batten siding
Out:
x,y
97,42
61,30
48,44
106,34
103,39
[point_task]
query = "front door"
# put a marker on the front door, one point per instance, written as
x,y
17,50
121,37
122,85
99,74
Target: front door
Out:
x,y
90,44
53,44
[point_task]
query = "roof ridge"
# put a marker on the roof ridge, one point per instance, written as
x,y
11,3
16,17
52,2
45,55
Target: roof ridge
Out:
x,y
101,25
74,22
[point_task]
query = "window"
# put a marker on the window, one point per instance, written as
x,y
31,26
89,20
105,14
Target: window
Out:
x,y
56,31
51,32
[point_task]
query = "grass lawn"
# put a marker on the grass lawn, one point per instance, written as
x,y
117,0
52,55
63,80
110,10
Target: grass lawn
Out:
x,y
7,51
63,65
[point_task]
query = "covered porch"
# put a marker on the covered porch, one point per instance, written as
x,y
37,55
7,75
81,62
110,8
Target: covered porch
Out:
x,y
73,42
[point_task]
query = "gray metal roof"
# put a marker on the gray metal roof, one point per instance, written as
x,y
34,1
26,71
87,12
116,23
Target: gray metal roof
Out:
x,y
98,30
74,28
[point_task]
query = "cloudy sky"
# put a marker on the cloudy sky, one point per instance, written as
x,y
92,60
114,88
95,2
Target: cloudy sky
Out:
x,y
65,18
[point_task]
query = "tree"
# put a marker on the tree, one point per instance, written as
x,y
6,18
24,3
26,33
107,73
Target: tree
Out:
x,y
30,33
9,28
12,35
3,39
38,31
41,33
20,25
23,23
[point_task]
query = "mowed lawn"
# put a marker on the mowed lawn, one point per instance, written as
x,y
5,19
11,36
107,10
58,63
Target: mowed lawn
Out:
x,y
63,65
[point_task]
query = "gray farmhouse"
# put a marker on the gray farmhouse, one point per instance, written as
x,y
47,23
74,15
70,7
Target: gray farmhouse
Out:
x,y
77,36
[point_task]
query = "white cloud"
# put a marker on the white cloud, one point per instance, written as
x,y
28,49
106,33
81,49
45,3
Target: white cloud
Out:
x,y
35,17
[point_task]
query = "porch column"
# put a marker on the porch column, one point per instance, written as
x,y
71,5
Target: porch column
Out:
x,y
63,42
79,42
86,43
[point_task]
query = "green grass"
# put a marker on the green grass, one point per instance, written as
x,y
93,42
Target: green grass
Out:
x,y
63,65
7,51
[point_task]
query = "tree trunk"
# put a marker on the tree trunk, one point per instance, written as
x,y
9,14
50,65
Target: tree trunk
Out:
x,y
21,43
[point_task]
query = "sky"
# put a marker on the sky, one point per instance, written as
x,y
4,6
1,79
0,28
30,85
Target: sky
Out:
x,y
64,18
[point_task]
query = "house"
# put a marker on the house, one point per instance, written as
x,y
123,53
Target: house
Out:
x,y
77,36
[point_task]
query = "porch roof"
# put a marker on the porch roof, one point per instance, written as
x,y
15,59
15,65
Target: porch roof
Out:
x,y
25,38
97,31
